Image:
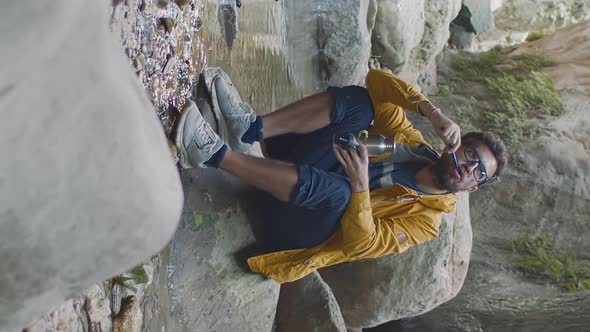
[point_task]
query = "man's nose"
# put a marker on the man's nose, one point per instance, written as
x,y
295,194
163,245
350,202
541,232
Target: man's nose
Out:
x,y
471,166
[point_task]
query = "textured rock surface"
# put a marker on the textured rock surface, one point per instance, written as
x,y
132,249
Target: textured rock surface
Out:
x,y
421,31
210,289
88,186
515,19
548,196
399,27
308,305
91,311
330,38
481,14
407,285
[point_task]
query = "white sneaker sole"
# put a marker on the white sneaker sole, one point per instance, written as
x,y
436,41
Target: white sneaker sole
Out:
x,y
183,154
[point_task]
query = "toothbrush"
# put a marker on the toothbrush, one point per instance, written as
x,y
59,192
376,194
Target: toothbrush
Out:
x,y
456,163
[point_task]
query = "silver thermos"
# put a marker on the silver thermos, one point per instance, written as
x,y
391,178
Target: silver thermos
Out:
x,y
376,144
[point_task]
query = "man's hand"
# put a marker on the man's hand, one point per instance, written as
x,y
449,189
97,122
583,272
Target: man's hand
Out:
x,y
447,130
356,166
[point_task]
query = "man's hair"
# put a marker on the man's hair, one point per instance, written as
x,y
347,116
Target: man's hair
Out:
x,y
493,142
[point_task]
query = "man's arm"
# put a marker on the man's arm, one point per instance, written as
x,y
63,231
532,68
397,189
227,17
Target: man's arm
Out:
x,y
391,95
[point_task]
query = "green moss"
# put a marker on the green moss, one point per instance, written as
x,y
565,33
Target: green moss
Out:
x,y
536,256
137,274
467,116
445,90
201,219
479,68
517,88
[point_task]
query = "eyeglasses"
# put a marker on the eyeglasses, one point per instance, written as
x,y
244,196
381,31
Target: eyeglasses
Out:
x,y
479,174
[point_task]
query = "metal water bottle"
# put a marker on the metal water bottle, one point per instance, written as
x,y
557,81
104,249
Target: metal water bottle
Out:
x,y
376,144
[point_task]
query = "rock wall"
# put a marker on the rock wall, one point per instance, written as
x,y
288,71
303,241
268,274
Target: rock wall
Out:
x,y
87,183
211,288
408,35
329,37
515,20
336,38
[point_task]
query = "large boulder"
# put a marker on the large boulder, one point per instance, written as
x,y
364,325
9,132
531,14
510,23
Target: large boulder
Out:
x,y
330,38
308,305
88,185
88,311
408,35
210,288
399,27
481,18
518,20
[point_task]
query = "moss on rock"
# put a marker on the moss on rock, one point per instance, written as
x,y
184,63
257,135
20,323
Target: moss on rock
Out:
x,y
516,88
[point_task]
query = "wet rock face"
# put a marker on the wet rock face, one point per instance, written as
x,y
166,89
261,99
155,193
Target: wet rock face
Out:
x,y
308,305
92,189
227,15
88,312
158,38
329,36
409,34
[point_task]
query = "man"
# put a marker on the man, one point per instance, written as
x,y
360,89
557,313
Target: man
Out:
x,y
331,205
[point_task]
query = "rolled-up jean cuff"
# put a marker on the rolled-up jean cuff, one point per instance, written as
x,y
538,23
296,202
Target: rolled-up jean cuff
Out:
x,y
338,112
297,195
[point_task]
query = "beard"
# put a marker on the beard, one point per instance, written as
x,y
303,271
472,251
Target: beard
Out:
x,y
441,170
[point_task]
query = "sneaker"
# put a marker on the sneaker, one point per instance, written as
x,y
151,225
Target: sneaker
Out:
x,y
195,139
225,99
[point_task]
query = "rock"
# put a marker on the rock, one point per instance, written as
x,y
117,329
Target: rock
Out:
x,y
97,307
408,34
181,3
460,38
481,18
168,23
211,287
227,15
139,62
515,19
127,320
308,305
163,4
372,292
399,27
331,36
89,189
89,312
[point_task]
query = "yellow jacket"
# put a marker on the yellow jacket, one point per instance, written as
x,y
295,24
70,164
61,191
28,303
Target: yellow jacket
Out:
x,y
372,220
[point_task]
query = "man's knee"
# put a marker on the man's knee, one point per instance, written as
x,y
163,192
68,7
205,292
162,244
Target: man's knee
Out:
x,y
352,107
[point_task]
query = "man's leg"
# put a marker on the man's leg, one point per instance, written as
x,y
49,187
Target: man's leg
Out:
x,y
273,176
309,202
351,111
301,117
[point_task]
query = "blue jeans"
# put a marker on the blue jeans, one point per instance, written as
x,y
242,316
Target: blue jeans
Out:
x,y
322,193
